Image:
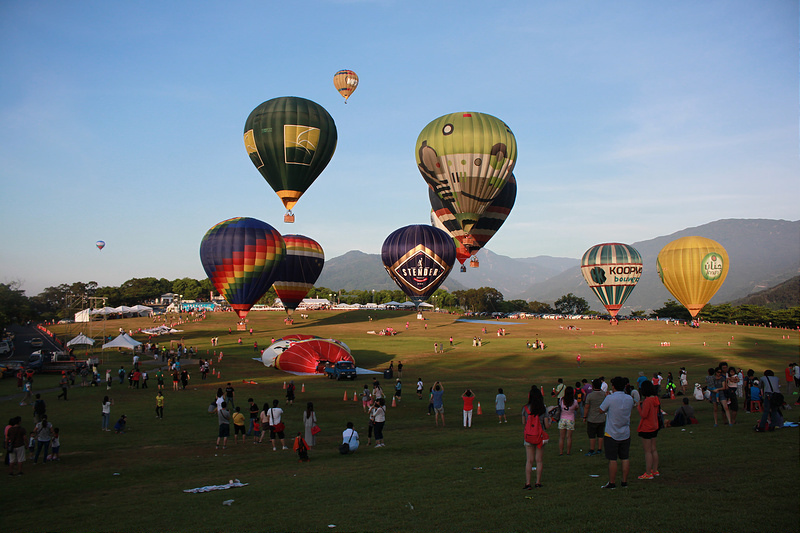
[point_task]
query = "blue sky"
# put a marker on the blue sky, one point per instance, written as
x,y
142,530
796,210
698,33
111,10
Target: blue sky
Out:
x,y
123,121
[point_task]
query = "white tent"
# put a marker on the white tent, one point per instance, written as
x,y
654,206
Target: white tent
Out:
x,y
123,341
81,340
425,304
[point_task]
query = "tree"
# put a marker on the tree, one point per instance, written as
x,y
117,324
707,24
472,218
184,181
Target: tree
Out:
x,y
569,304
673,309
14,305
539,308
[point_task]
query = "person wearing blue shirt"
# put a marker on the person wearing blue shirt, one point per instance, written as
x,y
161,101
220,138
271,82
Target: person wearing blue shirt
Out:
x,y
617,439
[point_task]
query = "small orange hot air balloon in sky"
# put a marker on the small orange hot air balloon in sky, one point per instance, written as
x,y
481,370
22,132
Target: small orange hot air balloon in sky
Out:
x,y
345,82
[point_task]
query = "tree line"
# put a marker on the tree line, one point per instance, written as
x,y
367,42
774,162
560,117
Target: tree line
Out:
x,y
62,301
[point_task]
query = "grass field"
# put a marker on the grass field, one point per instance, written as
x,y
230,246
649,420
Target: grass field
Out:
x,y
426,478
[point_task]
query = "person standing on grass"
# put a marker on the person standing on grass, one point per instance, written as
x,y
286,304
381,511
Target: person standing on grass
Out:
x,y
366,398
160,379
290,393
718,393
160,405
534,417
238,425
276,427
15,444
648,429
224,420
617,407
380,421
500,406
106,411
309,421
420,387
469,399
566,424
64,384
44,434
398,390
595,419
253,409
229,390
437,401
732,384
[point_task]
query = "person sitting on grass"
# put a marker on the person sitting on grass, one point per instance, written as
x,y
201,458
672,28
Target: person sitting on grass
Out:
x,y
119,427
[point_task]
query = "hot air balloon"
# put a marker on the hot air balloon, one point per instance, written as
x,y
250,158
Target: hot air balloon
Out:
x,y
462,254
488,224
418,258
310,356
693,269
345,82
612,270
466,158
299,270
100,244
290,141
241,257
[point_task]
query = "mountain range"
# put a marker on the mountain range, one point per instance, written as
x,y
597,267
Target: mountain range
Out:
x,y
763,253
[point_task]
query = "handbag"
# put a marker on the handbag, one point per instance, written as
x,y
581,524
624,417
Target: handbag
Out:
x,y
280,426
344,448
315,429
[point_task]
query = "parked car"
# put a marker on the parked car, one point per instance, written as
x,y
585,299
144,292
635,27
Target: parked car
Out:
x,y
6,347
37,342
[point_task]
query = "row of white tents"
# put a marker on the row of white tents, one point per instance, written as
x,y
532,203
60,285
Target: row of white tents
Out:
x,y
123,340
123,310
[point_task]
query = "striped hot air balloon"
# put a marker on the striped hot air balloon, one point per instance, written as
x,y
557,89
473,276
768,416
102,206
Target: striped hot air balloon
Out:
x,y
241,257
298,271
466,158
612,271
488,224
345,82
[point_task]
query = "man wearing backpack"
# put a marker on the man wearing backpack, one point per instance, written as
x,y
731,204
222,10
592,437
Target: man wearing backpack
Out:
x,y
617,440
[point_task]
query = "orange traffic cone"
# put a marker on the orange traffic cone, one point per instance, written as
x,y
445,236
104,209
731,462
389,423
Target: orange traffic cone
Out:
x,y
542,388
219,374
345,396
479,409
284,385
394,401
355,396
303,388
671,393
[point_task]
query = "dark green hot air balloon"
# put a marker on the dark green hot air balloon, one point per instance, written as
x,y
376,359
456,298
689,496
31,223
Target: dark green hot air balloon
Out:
x,y
290,141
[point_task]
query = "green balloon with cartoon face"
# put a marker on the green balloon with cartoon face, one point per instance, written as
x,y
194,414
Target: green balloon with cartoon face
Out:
x,y
466,158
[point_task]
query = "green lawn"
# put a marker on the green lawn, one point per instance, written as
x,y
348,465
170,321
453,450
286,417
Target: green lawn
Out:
x,y
426,478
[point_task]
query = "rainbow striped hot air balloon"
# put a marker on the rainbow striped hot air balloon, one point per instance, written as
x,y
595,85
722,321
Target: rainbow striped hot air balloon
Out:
x,y
241,257
298,271
612,271
693,269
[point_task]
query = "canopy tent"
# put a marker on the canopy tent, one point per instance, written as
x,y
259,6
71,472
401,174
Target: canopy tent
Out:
x,y
138,310
123,341
81,340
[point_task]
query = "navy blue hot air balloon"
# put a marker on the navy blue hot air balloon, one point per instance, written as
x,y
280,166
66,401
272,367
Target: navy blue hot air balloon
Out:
x,y
418,258
241,258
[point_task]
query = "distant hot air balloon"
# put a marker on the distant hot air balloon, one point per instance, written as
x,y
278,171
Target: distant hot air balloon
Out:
x,y
418,258
299,270
612,270
290,141
345,82
693,269
466,158
100,244
488,224
241,257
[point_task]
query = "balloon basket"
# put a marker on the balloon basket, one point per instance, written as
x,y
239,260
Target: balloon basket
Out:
x,y
463,268
288,217
474,263
241,327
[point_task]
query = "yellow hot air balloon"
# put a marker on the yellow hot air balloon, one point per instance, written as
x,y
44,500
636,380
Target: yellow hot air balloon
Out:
x,y
345,82
693,269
